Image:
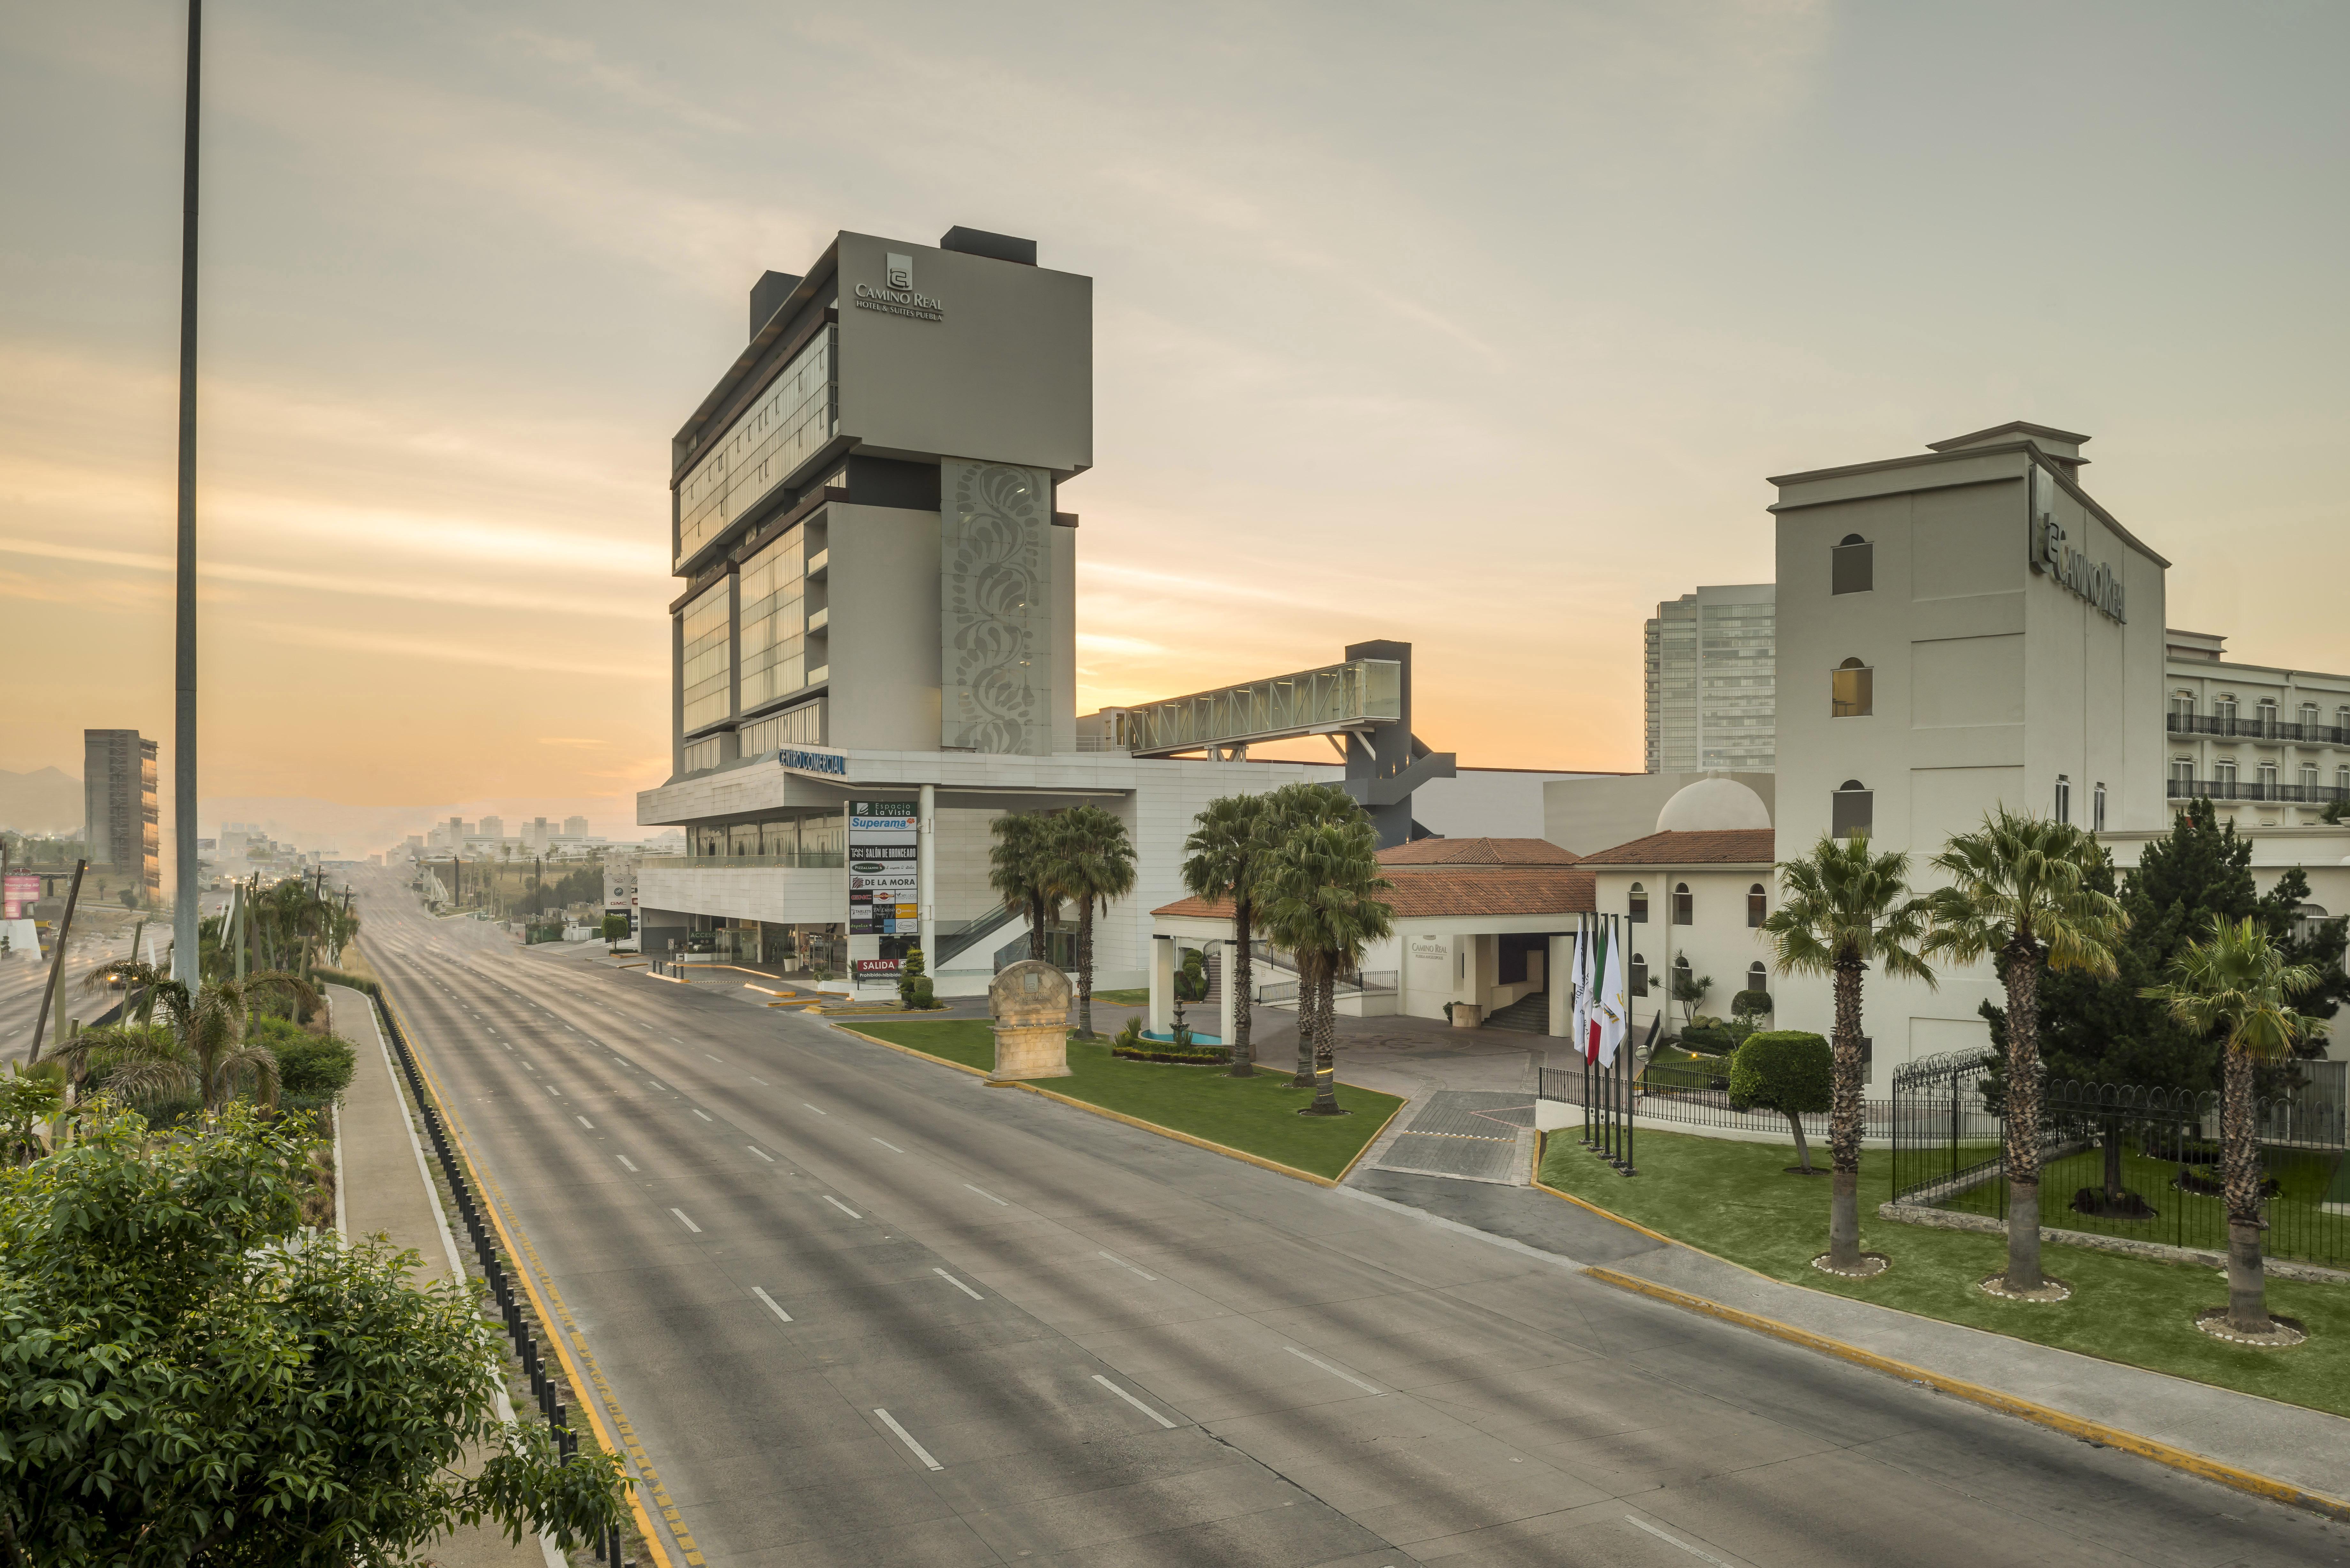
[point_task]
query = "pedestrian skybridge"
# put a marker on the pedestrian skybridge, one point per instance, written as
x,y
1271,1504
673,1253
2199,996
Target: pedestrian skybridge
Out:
x,y
1356,695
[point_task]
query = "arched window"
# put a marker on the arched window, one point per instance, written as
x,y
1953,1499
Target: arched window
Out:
x,y
1758,977
2308,720
1851,809
1852,567
2265,715
1850,690
2223,713
2182,711
2064,798
2341,726
1635,904
1636,979
1684,906
1758,904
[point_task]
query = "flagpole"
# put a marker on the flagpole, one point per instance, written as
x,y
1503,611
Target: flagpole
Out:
x,y
1574,1016
187,886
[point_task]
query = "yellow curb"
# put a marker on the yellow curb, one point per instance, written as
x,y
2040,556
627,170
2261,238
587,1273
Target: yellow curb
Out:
x,y
522,1277
1239,1153
2160,1452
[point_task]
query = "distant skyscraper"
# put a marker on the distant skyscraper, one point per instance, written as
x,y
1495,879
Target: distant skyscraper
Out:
x,y
1711,682
493,827
123,828
575,827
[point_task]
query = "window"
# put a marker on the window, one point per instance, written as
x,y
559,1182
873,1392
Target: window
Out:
x,y
1758,905
1637,981
2224,780
2268,776
2342,780
2097,809
742,838
793,420
1758,978
1636,907
702,754
1851,810
708,656
2342,724
2182,777
780,840
1684,906
2224,710
1850,694
2309,779
1851,568
800,726
1684,977
774,660
2064,798
2266,712
2182,709
2308,720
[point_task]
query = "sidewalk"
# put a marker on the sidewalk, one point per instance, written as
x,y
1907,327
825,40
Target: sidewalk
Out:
x,y
385,1189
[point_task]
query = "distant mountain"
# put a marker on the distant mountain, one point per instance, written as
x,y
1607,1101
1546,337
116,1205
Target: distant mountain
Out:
x,y
44,801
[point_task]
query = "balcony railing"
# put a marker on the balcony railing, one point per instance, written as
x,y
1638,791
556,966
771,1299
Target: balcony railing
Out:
x,y
2255,728
800,860
2255,789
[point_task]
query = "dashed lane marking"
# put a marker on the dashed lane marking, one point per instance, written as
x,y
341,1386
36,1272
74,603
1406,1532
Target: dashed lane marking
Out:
x,y
892,1148
584,1122
762,1153
907,1437
686,1222
959,1284
698,1111
1133,1401
844,1208
1366,1387
990,1197
624,1159
771,1303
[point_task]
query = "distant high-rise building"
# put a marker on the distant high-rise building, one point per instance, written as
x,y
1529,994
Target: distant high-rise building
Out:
x,y
1711,682
575,827
536,834
493,827
123,828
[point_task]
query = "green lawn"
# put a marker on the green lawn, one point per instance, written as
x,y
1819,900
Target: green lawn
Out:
x,y
1733,1201
1258,1115
1136,998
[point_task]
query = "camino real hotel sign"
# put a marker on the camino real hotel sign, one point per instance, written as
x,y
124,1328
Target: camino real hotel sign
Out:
x,y
2052,556
895,296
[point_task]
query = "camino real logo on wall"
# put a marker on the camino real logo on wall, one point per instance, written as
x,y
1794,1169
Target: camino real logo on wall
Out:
x,y
2052,556
884,871
895,295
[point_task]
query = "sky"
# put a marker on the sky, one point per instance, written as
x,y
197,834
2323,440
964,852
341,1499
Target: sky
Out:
x,y
1474,326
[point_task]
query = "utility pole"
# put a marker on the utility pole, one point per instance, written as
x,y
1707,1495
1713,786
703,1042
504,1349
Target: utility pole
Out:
x,y
57,963
183,733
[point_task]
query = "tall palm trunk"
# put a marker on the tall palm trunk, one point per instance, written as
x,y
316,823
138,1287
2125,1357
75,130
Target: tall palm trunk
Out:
x,y
1325,1045
1036,929
1239,974
2240,1167
1309,1000
1844,1121
1086,970
2020,961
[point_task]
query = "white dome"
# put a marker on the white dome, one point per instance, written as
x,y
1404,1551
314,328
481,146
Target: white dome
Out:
x,y
1711,804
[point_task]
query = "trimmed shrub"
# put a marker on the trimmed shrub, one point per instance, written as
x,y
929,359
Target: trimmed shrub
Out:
x,y
1750,1003
1151,1051
1791,1071
311,1068
616,928
357,983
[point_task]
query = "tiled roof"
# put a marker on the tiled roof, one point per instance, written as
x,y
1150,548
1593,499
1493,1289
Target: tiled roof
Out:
x,y
1477,852
1427,895
1719,846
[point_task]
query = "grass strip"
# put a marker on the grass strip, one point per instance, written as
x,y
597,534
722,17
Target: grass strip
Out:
x,y
1734,1199
1257,1115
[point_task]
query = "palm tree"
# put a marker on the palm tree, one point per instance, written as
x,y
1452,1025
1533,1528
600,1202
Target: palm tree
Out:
x,y
1290,810
1324,885
1844,910
2020,889
1227,849
1020,869
2236,985
198,1050
1092,863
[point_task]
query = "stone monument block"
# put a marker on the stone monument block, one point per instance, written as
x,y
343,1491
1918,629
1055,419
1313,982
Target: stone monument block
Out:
x,y
1029,1002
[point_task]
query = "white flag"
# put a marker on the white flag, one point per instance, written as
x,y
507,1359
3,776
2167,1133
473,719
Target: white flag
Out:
x,y
1579,977
1614,1007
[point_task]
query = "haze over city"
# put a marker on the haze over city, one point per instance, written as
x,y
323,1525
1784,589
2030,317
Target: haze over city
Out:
x,y
1481,334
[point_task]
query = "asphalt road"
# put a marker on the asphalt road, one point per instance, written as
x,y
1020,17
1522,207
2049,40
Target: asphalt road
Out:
x,y
860,1308
22,978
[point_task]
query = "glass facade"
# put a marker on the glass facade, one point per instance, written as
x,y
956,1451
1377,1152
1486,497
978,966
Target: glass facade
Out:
x,y
800,726
1711,684
709,659
791,422
775,624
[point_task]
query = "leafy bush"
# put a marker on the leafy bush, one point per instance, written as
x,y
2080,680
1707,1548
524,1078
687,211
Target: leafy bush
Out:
x,y
1130,1037
1191,980
616,928
1151,1051
357,983
1791,1071
311,1067
1750,1005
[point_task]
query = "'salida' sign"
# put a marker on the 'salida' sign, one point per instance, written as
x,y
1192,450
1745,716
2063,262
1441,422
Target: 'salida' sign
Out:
x,y
2052,556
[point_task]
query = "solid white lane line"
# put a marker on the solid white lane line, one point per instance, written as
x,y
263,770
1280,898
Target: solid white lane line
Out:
x,y
624,1159
844,1208
1133,1401
907,1437
762,1153
892,1148
553,1090
817,1109
687,1224
771,1303
1122,1263
959,1284
584,1122
698,1111
1672,1540
990,1197
1333,1371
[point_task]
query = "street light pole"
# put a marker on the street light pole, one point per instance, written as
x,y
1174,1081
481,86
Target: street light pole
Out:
x,y
184,912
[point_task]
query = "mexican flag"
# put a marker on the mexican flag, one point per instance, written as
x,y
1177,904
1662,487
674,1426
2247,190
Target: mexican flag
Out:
x,y
1614,1010
1602,953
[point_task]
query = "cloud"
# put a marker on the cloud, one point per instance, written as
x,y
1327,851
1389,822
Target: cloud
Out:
x,y
475,655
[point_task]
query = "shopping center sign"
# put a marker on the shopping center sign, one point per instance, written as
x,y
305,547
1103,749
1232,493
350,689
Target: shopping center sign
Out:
x,y
816,762
884,892
2096,582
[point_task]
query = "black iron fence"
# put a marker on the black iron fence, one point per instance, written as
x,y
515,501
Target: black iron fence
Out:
x,y
2124,1161
2256,728
497,1269
2253,789
1697,1095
